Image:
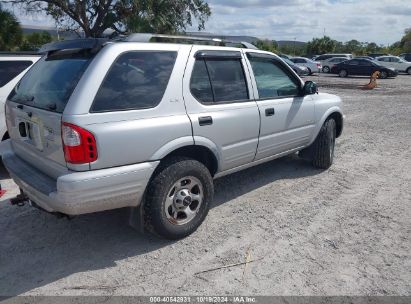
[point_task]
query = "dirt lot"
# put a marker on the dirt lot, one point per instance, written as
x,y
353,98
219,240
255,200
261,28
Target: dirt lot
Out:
x,y
345,231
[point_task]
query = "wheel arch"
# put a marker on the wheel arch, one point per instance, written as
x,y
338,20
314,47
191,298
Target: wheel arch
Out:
x,y
200,149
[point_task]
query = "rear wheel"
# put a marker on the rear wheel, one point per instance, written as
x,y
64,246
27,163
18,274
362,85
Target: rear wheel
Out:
x,y
343,73
326,69
409,71
383,75
309,71
178,198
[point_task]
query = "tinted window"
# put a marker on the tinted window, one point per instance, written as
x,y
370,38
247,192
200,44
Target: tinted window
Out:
x,y
200,85
226,82
365,63
136,80
394,59
272,79
10,69
354,62
50,82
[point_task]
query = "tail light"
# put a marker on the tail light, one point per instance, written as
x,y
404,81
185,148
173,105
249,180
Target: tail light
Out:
x,y
319,65
79,144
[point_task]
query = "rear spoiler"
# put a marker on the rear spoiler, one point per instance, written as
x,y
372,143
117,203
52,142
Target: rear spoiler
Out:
x,y
93,44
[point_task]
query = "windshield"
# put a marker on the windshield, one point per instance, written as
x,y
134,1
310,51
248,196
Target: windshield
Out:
x,y
49,83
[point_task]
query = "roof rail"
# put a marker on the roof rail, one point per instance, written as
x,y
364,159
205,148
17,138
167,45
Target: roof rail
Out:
x,y
144,37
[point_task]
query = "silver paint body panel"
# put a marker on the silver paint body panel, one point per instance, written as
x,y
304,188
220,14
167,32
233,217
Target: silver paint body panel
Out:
x,y
131,143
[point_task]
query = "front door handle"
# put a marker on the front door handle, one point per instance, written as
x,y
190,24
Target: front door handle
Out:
x,y
269,112
205,120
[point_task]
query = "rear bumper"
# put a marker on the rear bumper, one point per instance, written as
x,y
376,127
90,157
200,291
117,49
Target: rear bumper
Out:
x,y
76,193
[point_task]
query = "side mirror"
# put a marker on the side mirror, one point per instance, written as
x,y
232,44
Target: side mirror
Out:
x,y
310,88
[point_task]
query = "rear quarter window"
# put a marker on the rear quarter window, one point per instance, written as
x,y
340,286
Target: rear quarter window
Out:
x,y
136,80
10,69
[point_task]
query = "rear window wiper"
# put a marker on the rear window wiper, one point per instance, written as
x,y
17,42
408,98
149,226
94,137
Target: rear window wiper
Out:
x,y
52,106
23,98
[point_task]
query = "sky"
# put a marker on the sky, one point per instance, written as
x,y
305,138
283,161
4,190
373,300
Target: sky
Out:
x,y
380,21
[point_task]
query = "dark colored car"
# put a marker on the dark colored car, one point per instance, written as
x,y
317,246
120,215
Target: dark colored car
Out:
x,y
362,67
406,56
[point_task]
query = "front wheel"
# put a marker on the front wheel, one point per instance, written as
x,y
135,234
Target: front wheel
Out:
x,y
178,198
409,71
326,69
383,75
343,73
323,146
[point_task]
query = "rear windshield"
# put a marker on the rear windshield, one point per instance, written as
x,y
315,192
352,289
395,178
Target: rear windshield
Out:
x,y
49,83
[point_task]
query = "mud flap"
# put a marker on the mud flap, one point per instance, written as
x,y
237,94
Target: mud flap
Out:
x,y
136,217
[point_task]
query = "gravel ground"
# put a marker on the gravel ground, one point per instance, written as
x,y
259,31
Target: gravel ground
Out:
x,y
344,231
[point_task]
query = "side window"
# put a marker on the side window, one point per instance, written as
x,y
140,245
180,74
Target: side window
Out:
x,y
394,59
272,79
218,80
136,80
354,62
10,69
365,63
200,84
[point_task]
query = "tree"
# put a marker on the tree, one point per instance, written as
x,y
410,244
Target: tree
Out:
x,y
406,41
10,31
34,41
93,17
321,45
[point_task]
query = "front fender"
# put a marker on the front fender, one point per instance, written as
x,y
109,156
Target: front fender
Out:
x,y
322,119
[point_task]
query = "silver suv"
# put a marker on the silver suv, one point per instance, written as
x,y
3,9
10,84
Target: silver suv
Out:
x,y
100,125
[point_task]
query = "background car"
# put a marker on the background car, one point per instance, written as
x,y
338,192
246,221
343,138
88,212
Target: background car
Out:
x,y
364,57
312,66
299,69
329,63
362,67
12,67
324,57
406,56
396,63
375,55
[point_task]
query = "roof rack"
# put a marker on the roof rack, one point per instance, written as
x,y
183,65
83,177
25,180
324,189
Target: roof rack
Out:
x,y
143,37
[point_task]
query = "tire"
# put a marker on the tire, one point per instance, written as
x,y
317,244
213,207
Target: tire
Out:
x,y
309,71
326,69
343,73
409,71
383,75
178,198
323,146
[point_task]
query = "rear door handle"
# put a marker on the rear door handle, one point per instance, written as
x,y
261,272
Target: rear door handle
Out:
x,y
205,120
269,112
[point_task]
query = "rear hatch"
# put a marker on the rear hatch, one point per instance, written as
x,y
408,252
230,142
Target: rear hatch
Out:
x,y
35,107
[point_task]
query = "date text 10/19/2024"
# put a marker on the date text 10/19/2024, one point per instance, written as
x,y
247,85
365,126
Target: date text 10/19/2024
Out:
x,y
203,299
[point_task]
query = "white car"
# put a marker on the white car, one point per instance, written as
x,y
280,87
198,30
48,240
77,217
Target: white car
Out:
x,y
395,62
12,68
312,66
329,63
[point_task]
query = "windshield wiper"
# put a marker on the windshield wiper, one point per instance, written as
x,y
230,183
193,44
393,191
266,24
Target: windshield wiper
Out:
x,y
23,98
